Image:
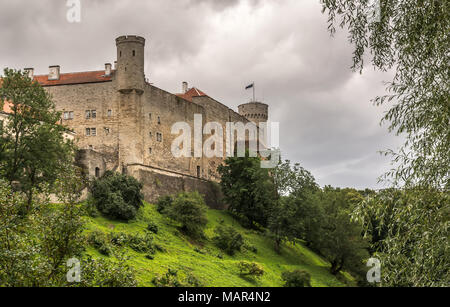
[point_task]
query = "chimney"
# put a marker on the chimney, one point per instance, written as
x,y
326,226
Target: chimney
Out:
x,y
54,72
30,72
107,69
185,87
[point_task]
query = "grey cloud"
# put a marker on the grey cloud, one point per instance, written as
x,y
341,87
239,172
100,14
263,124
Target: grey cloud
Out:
x,y
328,123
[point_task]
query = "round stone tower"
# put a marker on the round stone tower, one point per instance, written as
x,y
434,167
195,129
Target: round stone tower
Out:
x,y
255,111
130,63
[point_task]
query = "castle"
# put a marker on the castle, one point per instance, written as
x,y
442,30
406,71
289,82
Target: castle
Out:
x,y
123,123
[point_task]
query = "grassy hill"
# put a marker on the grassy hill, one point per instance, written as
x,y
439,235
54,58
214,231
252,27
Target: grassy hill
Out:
x,y
202,260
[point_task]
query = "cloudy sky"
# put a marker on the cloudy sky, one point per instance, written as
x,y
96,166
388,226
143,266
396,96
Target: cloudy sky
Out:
x,y
327,120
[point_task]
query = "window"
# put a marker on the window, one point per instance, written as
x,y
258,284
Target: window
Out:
x,y
91,131
159,120
68,115
198,171
107,131
91,114
150,134
134,52
159,137
150,116
97,172
150,150
109,113
120,54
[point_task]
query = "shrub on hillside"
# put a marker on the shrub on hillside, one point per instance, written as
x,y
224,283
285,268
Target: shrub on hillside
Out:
x,y
164,203
152,227
141,243
228,239
117,196
250,269
100,242
297,278
190,210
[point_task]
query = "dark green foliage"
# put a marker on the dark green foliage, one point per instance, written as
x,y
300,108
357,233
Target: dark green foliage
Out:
x,y
141,243
248,190
189,209
170,279
339,238
164,203
252,269
228,239
297,278
251,248
100,242
152,227
117,196
106,273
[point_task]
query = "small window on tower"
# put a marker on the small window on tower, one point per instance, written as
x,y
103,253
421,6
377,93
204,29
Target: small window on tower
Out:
x,y
150,116
93,131
198,171
109,113
159,120
134,53
88,131
88,114
150,150
97,172
94,113
71,115
150,134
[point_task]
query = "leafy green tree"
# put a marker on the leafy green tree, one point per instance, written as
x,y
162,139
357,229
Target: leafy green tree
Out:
x,y
411,38
117,196
412,231
189,209
32,147
296,278
340,240
297,213
248,189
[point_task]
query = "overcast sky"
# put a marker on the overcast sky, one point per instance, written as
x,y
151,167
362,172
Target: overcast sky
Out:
x,y
327,120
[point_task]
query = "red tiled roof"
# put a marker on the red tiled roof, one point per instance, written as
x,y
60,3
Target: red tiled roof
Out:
x,y
193,92
75,78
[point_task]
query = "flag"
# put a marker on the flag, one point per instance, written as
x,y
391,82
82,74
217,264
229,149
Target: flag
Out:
x,y
250,86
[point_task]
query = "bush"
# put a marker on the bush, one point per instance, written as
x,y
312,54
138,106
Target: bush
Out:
x,y
170,279
250,269
228,239
152,227
99,241
141,243
164,203
117,196
251,248
190,210
297,278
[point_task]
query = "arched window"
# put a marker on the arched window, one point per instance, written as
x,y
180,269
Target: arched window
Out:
x,y
97,172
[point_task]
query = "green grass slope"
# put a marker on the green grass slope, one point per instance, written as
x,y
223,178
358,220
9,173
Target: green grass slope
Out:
x,y
183,254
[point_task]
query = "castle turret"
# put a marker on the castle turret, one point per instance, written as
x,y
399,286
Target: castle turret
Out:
x,y
130,81
255,111
130,63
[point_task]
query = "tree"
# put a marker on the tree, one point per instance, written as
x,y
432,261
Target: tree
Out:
x,y
412,231
33,147
297,213
248,189
189,209
117,196
340,240
411,38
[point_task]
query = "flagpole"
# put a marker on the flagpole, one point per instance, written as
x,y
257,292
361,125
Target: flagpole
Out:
x,y
254,100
